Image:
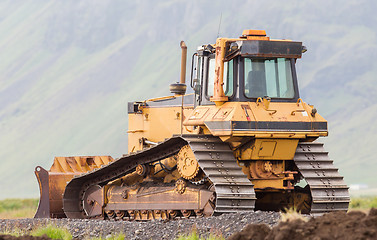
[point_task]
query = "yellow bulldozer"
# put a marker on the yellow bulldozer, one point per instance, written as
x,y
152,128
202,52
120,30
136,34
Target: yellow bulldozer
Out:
x,y
243,140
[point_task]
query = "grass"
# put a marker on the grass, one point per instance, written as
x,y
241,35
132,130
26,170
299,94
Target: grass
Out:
x,y
15,232
363,202
18,208
194,236
52,232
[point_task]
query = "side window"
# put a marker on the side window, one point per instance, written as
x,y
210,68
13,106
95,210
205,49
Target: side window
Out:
x,y
228,77
211,77
198,74
199,69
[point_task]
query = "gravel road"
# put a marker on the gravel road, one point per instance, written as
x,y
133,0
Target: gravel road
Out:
x,y
224,225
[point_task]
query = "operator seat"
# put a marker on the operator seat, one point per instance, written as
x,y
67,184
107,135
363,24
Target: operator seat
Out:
x,y
256,80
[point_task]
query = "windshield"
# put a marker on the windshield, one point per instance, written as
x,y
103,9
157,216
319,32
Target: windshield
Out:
x,y
268,77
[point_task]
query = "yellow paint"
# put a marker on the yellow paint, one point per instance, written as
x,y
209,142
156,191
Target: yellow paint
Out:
x,y
257,112
267,148
276,149
262,154
156,124
218,95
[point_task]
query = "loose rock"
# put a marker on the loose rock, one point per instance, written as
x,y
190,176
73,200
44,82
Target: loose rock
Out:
x,y
224,225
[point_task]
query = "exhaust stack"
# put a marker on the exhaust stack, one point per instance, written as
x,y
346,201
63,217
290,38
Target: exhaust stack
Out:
x,y
183,62
180,88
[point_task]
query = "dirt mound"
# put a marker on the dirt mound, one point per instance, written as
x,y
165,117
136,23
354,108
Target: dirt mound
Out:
x,y
338,225
27,237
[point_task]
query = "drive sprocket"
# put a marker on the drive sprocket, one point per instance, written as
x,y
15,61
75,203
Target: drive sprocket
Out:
x,y
187,165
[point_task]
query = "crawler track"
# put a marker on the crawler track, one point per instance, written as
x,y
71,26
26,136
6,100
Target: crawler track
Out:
x,y
234,192
328,190
74,192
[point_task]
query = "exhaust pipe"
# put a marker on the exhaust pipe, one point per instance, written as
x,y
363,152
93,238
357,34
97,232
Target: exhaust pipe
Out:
x,y
180,88
183,62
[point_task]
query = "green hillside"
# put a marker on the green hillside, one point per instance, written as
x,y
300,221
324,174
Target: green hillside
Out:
x,y
68,68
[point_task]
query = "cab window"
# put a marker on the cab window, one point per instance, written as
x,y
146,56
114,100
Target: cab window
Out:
x,y
211,77
268,78
228,78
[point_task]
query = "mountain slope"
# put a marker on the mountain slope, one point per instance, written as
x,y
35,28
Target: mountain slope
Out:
x,y
68,68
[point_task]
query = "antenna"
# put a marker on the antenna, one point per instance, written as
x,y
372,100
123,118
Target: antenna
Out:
x,y
218,32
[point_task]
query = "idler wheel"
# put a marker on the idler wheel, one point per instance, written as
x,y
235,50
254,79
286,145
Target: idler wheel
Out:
x,y
93,201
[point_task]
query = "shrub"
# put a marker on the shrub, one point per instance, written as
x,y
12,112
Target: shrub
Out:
x,y
363,202
52,232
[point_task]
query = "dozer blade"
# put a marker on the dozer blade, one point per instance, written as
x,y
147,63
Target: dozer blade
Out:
x,y
52,183
43,210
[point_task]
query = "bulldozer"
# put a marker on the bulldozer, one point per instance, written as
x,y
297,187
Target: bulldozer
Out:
x,y
242,140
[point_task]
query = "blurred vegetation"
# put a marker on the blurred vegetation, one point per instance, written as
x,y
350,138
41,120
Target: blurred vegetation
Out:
x,y
195,236
363,202
18,208
53,233
16,232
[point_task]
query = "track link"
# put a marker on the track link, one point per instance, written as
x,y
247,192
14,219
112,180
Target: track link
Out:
x,y
234,191
75,189
329,191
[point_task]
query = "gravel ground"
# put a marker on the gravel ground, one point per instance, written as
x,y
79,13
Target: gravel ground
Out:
x,y
223,225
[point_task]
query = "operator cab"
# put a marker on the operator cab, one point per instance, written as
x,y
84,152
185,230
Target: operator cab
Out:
x,y
252,69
